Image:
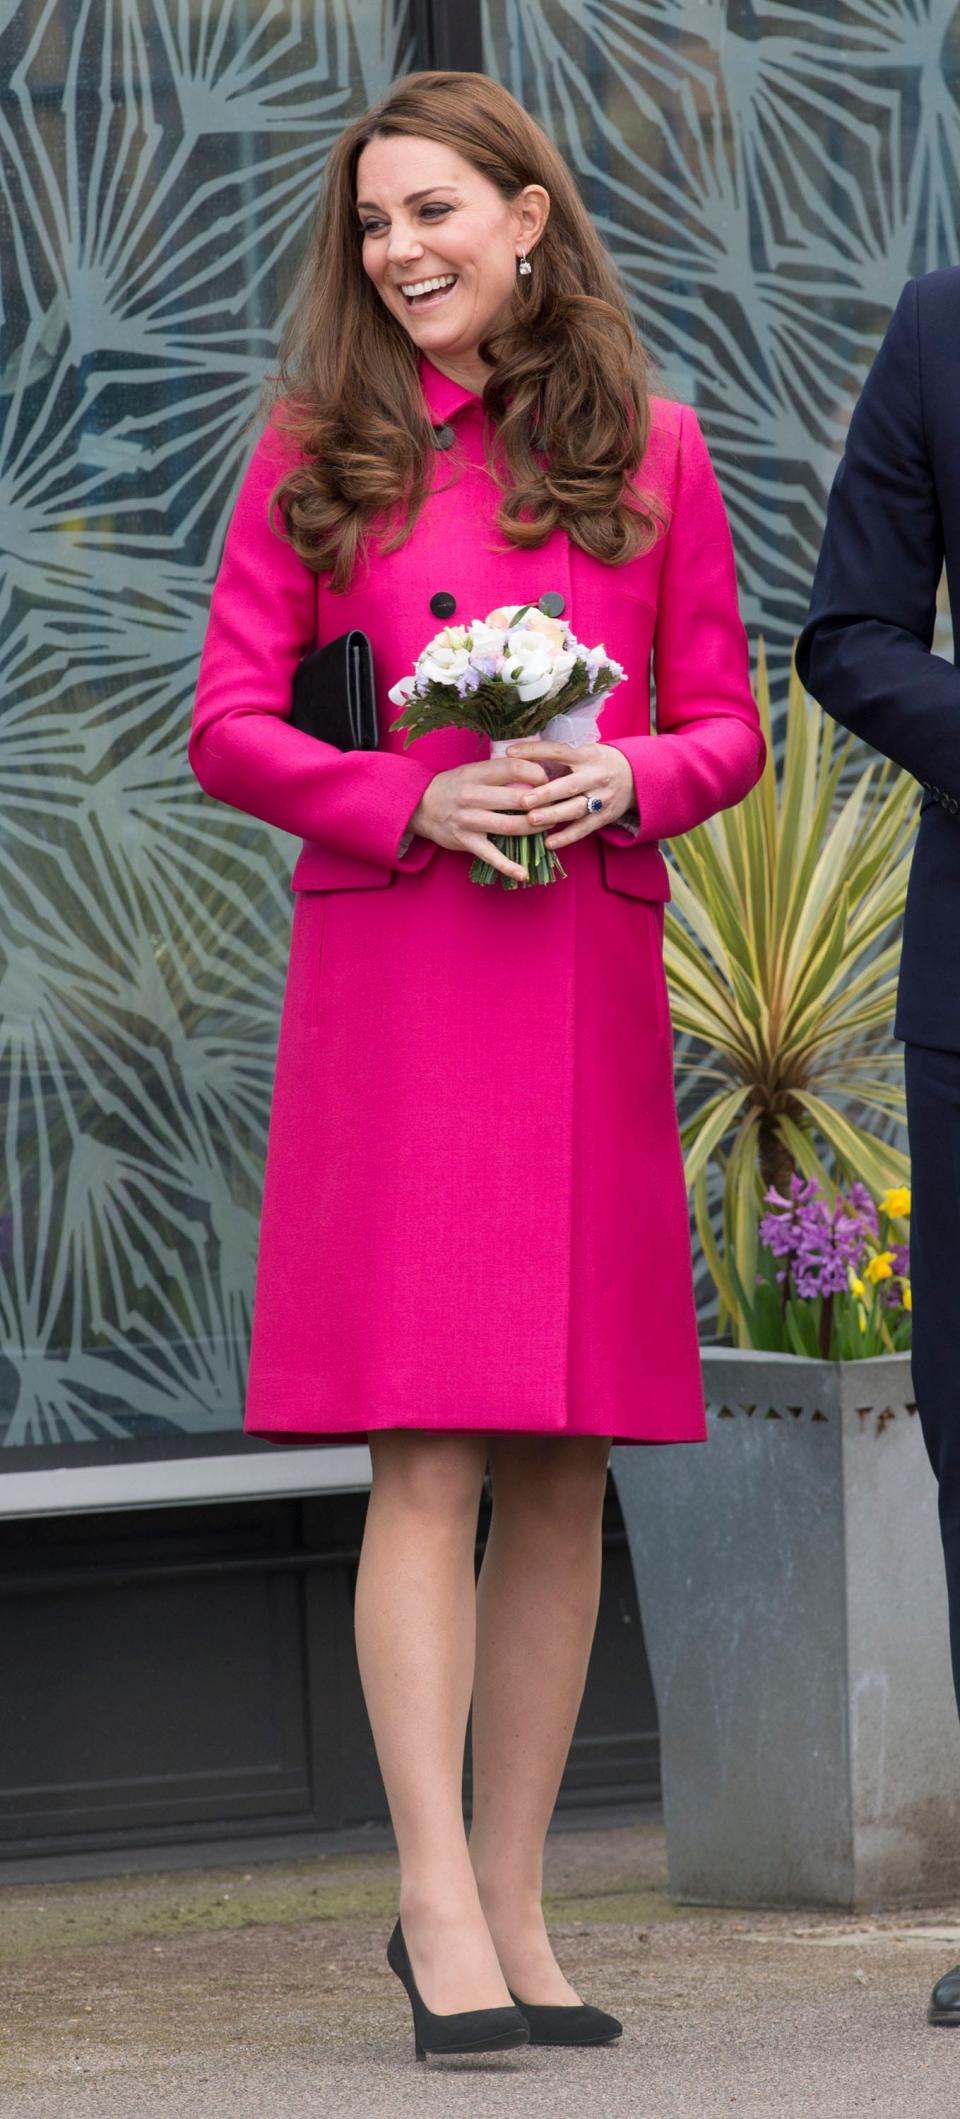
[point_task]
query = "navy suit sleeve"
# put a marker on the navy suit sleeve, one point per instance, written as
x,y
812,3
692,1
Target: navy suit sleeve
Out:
x,y
864,652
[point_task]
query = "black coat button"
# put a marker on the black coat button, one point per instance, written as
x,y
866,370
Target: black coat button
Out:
x,y
443,604
551,604
443,437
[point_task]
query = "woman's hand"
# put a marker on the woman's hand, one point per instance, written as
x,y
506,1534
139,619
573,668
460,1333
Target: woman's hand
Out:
x,y
589,769
461,807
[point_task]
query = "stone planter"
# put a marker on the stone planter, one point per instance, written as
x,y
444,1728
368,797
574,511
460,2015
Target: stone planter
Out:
x,y
791,1587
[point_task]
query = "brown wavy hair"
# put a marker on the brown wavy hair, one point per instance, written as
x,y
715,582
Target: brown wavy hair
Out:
x,y
567,396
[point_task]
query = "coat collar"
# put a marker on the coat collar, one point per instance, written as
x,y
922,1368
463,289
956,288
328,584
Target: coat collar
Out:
x,y
443,397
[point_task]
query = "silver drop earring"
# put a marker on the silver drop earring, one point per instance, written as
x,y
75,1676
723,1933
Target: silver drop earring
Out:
x,y
524,266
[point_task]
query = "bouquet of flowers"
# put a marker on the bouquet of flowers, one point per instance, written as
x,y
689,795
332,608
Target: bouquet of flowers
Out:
x,y
836,1278
514,674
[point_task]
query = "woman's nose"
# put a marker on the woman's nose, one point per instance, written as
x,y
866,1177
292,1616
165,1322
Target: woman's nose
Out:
x,y
403,246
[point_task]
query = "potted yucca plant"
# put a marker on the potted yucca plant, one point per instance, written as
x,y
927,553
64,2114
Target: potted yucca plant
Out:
x,y
789,1574
782,950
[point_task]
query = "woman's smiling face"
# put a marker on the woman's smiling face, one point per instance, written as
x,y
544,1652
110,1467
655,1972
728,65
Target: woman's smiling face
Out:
x,y
427,215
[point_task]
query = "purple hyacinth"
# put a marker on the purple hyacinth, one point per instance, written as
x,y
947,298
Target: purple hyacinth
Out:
x,y
864,1206
821,1244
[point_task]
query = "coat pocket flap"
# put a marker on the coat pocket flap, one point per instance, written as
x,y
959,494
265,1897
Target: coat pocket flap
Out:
x,y
321,868
637,871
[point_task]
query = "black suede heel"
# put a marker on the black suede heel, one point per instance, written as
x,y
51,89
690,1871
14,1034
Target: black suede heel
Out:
x,y
469,2031
578,2024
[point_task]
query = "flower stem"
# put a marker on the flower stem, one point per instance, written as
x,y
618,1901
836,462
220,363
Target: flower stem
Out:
x,y
826,1325
542,865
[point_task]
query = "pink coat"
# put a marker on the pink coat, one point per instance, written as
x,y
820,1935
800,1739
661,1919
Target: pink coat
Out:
x,y
474,1209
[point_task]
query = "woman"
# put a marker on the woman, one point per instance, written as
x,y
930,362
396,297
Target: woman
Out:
x,y
475,1241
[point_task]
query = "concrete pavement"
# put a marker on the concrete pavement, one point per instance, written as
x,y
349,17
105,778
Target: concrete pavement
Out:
x,y
260,1991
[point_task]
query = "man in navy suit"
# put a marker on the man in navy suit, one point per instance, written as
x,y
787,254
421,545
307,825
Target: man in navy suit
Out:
x,y
892,523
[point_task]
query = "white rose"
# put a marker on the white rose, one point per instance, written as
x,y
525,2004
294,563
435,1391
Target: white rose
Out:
x,y
553,628
527,662
522,639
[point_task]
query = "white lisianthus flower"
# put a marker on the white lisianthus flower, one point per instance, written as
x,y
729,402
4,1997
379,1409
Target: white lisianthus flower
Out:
x,y
440,664
403,690
486,642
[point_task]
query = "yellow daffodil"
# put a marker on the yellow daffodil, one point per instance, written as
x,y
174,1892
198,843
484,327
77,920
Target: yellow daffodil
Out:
x,y
907,1296
896,1202
856,1285
880,1266
862,1320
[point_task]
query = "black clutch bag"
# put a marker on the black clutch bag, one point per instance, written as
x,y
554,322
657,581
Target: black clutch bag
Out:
x,y
334,695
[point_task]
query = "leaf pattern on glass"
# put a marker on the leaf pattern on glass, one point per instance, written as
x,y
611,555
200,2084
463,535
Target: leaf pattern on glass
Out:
x,y
767,176
158,166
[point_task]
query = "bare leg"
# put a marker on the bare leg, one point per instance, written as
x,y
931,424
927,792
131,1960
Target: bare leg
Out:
x,y
415,1617
537,1605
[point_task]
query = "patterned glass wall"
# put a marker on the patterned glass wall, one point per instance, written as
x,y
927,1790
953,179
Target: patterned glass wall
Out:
x,y
157,166
767,176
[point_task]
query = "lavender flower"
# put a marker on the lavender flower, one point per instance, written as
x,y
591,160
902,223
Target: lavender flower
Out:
x,y
594,661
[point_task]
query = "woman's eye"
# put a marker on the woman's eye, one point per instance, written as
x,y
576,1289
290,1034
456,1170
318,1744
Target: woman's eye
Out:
x,y
433,213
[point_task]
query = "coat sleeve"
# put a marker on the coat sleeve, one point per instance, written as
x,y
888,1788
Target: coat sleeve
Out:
x,y
243,748
709,749
865,649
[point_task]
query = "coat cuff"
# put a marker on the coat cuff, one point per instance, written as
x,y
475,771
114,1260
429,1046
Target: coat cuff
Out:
x,y
680,781
411,852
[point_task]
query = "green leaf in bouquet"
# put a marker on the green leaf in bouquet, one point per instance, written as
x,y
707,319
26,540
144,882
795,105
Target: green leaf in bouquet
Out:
x,y
495,709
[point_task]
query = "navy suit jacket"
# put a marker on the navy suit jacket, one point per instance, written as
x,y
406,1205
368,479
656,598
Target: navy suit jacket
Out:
x,y
864,653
